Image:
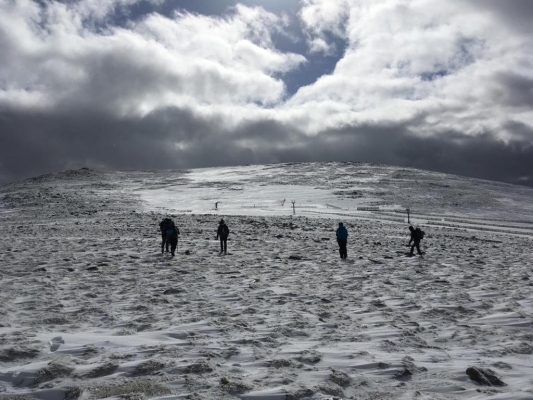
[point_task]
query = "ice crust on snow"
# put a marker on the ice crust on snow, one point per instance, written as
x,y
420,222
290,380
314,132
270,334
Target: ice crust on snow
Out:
x,y
90,308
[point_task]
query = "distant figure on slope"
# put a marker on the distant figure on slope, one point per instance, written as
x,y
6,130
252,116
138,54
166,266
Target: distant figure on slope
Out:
x,y
223,233
342,239
169,235
416,236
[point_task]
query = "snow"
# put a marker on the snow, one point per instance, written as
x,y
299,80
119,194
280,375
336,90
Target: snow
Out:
x,y
257,324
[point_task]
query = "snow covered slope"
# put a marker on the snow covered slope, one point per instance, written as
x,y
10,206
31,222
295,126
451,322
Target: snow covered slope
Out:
x,y
90,308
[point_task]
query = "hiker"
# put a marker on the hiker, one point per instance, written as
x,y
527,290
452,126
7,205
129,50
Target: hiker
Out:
x,y
169,236
163,227
172,238
342,239
223,233
416,236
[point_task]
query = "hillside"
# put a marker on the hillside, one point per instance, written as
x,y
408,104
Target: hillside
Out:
x,y
90,308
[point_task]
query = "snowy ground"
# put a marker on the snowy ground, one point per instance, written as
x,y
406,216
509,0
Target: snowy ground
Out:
x,y
90,308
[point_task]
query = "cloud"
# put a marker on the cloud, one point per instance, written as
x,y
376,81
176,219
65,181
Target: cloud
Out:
x,y
516,14
463,68
446,86
323,17
180,138
55,59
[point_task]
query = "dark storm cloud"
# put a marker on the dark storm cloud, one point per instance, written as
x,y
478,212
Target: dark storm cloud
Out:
x,y
516,90
124,84
176,138
34,143
518,14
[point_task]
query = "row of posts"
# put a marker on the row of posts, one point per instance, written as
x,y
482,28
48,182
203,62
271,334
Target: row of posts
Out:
x,y
294,209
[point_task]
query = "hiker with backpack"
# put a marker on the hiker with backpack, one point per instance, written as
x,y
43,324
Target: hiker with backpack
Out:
x,y
223,233
342,240
416,236
169,236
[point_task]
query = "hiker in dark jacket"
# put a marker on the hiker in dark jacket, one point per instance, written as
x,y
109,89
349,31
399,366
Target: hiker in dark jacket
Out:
x,y
415,238
172,238
163,228
342,239
169,236
223,233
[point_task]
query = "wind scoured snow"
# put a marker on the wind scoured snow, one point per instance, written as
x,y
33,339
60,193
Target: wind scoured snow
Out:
x,y
90,308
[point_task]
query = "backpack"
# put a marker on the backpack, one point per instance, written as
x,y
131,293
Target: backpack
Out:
x,y
420,233
172,230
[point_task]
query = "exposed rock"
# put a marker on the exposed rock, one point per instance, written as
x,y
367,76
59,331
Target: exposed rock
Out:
x,y
17,353
409,368
331,389
73,392
59,320
199,367
310,356
148,367
103,370
53,370
137,387
302,393
340,378
484,376
280,363
173,291
234,386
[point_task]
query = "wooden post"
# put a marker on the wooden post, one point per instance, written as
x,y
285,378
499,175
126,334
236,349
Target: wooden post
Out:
x,y
408,216
293,207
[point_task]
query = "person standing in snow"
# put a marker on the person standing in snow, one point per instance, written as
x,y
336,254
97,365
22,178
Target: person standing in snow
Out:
x,y
169,236
172,238
342,240
163,228
415,238
223,233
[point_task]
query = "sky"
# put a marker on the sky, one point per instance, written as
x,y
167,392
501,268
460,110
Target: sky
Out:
x,y
159,84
